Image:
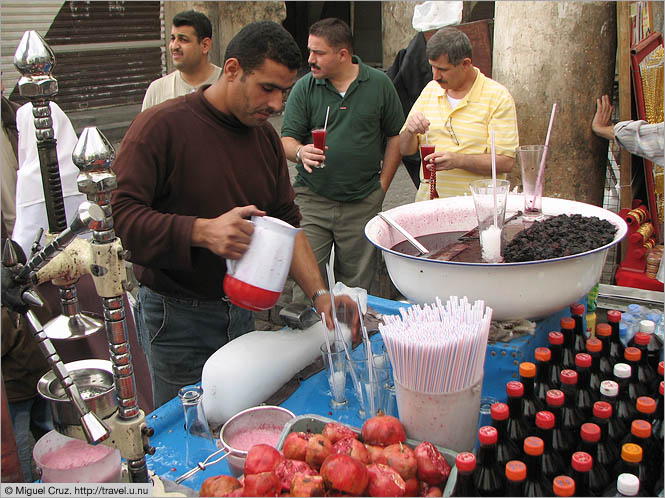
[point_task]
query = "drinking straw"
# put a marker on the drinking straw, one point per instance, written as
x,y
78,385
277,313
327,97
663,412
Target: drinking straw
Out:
x,y
494,178
325,124
333,384
541,169
370,358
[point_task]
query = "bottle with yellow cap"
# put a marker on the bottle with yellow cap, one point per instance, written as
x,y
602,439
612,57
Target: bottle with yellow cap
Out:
x,y
631,463
515,477
530,403
535,483
563,486
640,434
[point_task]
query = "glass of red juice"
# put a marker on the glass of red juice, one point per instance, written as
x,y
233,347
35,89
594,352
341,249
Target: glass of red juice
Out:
x,y
319,141
426,150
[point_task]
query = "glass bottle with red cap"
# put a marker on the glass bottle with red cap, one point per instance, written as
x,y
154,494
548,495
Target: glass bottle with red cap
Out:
x,y
563,440
656,383
594,348
631,463
609,393
516,427
515,477
530,403
489,478
640,434
599,476
563,486
632,357
552,461
645,373
648,328
616,346
625,405
606,363
657,425
581,464
584,397
535,483
541,384
567,352
577,311
555,340
607,451
465,485
572,416
506,449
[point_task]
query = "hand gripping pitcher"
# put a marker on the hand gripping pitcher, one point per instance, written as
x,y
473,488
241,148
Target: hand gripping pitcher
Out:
x,y
256,280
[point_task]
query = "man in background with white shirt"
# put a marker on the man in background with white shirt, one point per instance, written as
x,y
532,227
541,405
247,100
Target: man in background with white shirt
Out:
x,y
191,42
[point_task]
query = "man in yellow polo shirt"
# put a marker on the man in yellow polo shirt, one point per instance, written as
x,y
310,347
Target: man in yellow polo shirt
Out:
x,y
456,111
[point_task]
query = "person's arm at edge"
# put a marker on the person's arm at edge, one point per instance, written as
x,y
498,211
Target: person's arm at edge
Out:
x,y
391,160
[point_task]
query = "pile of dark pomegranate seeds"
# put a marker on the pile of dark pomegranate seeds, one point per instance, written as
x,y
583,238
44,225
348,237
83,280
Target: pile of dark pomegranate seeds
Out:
x,y
561,235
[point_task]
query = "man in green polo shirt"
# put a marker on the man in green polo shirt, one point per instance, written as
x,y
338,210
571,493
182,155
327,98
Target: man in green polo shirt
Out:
x,y
341,188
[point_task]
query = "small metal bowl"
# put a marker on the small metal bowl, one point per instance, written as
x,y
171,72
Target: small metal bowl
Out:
x,y
94,379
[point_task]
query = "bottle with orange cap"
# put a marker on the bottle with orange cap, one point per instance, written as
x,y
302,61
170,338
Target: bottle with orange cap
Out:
x,y
606,363
541,384
577,313
530,403
640,434
552,461
594,348
584,398
555,340
581,464
506,449
645,409
535,483
607,449
646,375
616,346
609,393
572,416
465,485
489,478
567,325
631,463
516,427
599,476
515,477
563,441
632,357
563,486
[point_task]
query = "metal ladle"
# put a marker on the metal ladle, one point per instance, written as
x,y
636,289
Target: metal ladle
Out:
x,y
412,240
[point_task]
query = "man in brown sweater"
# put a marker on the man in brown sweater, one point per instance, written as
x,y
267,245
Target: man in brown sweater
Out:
x,y
190,171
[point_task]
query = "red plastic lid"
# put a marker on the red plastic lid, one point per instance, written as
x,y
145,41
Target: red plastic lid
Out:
x,y
527,369
661,387
555,338
594,345
533,446
555,397
602,409
514,388
567,323
642,339
563,486
544,420
515,470
640,428
614,316
581,461
465,461
603,330
577,309
568,376
487,435
645,404
661,367
632,354
543,354
590,432
499,411
583,360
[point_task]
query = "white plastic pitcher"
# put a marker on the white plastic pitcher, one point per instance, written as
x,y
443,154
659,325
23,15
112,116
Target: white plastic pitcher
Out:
x,y
256,280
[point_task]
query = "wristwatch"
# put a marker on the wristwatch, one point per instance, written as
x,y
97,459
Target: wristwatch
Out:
x,y
298,154
318,293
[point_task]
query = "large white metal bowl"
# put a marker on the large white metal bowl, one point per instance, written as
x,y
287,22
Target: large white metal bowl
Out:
x,y
532,289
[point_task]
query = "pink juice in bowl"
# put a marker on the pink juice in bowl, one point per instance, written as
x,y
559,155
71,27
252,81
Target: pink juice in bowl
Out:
x,y
264,434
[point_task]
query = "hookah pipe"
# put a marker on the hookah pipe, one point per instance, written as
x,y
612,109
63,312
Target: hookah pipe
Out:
x,y
69,257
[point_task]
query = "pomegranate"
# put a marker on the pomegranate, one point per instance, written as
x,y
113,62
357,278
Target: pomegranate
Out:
x,y
262,484
295,445
412,487
384,481
307,485
219,486
344,473
238,491
427,490
432,466
335,432
401,458
288,468
353,448
318,448
261,458
375,453
383,430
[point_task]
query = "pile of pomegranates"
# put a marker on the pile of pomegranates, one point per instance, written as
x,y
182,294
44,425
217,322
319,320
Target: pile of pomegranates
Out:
x,y
338,463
